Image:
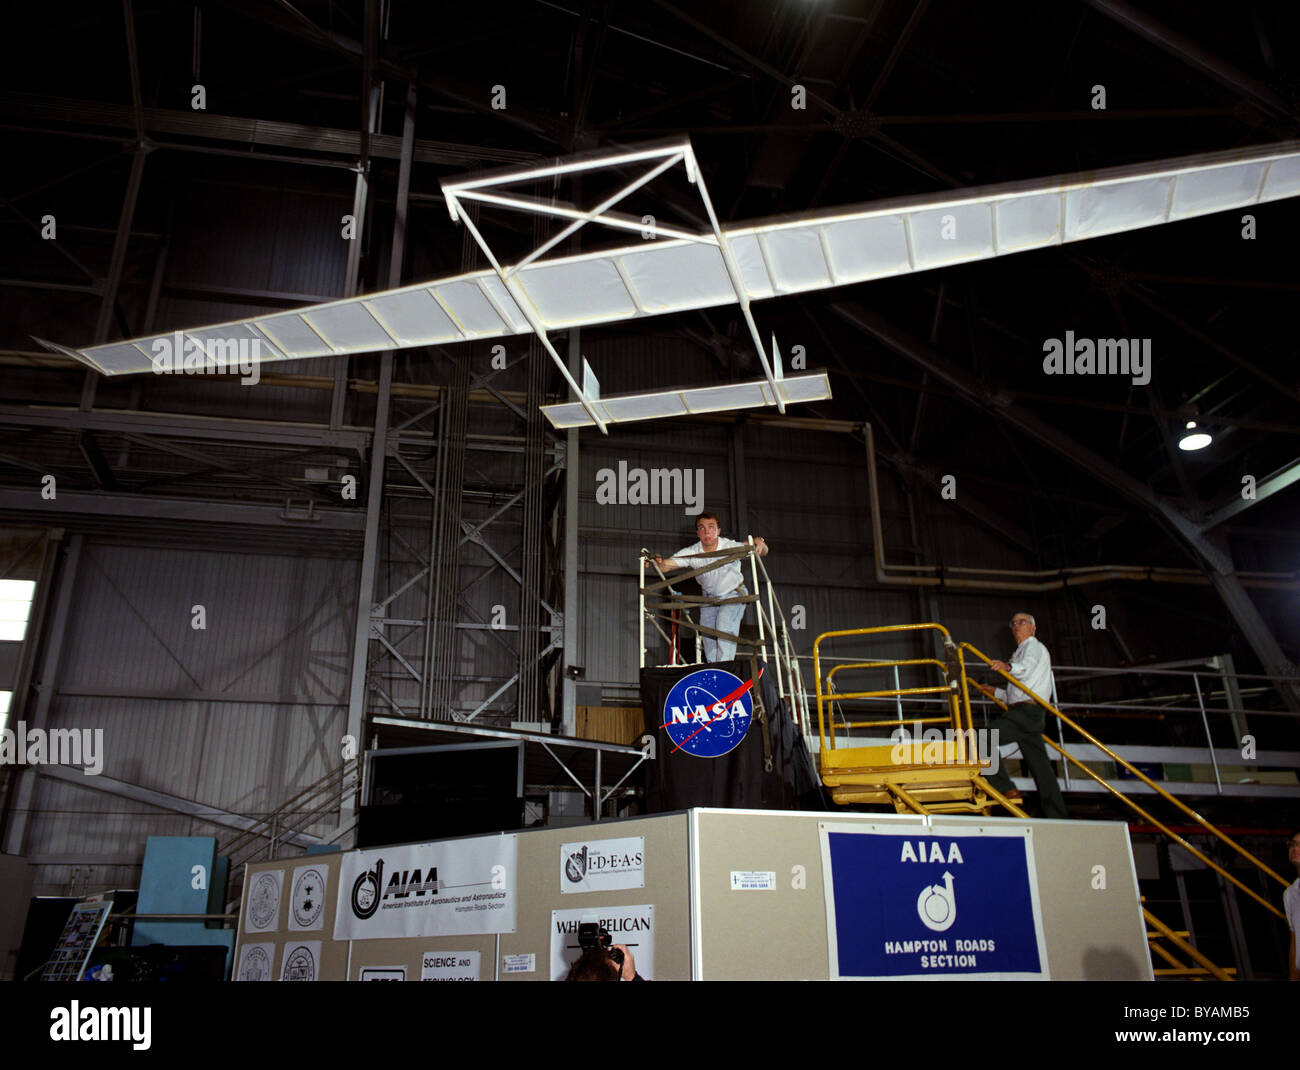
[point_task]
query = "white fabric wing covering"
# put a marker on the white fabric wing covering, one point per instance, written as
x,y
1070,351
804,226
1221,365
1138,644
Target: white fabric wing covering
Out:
x,y
724,397
793,254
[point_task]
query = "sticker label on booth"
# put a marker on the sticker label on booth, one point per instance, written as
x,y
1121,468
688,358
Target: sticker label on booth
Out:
x,y
753,880
449,966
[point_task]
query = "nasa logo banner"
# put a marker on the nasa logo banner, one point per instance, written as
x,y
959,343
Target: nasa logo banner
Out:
x,y
708,712
911,903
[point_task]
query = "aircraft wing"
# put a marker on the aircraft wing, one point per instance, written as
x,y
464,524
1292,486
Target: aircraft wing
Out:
x,y
790,254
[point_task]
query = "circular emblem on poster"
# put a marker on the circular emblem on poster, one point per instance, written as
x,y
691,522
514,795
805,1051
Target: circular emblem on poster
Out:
x,y
367,890
308,898
264,900
257,965
576,867
300,964
708,712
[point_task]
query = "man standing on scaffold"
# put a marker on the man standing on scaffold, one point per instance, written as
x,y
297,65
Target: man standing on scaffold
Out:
x,y
725,582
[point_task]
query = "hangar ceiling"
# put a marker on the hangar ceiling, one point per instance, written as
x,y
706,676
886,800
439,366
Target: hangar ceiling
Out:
x,y
791,107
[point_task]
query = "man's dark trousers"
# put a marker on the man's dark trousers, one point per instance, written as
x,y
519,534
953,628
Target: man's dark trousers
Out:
x,y
1023,724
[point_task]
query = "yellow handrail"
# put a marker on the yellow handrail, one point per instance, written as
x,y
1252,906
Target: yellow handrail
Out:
x,y
880,665
1182,946
961,717
897,722
1047,706
989,789
844,696
825,695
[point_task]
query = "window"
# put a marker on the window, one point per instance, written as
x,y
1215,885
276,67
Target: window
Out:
x,y
15,608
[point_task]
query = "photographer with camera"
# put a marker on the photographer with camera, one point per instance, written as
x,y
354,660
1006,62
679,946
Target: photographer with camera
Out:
x,y
601,959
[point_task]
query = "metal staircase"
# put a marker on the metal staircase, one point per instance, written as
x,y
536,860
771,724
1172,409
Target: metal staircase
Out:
x,y
947,775
288,824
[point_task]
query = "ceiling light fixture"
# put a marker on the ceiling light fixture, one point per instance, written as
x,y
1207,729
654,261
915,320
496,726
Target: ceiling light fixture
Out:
x,y
1193,439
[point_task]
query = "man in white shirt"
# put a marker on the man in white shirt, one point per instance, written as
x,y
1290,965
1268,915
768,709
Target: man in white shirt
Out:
x,y
1291,899
725,582
1031,665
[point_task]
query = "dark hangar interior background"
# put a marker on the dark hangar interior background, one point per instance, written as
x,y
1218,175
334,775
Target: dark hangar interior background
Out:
x,y
183,490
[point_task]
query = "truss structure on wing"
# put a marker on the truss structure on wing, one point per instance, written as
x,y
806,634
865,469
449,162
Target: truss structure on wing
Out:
x,y
681,270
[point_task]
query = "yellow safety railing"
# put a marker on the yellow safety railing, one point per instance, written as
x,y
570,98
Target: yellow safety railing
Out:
x,y
1161,931
842,696
1049,708
827,696
897,780
659,600
961,718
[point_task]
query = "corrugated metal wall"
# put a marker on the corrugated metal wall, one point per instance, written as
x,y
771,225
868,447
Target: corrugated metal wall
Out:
x,y
239,715
807,494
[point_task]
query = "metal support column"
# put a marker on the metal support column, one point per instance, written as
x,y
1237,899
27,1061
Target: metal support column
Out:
x,y
1256,631
15,834
369,558
531,568
1232,696
116,263
570,608
360,203
1236,931
1180,878
378,449
739,497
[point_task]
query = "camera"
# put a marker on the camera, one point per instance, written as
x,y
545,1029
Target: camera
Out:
x,y
591,937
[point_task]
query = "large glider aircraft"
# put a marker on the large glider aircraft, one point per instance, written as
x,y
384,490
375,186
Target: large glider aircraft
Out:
x,y
679,270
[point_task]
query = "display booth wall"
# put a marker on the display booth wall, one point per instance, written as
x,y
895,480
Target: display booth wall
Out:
x,y
713,894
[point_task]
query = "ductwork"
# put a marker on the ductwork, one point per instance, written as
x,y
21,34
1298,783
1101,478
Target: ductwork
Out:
x,y
999,579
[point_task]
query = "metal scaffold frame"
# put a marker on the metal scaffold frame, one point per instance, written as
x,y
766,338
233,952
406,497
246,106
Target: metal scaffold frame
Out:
x,y
773,631
553,746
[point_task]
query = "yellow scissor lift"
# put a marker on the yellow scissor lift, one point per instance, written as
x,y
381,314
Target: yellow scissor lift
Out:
x,y
947,777
943,784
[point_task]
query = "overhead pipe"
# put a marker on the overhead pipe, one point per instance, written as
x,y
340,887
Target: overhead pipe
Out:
x,y
1057,579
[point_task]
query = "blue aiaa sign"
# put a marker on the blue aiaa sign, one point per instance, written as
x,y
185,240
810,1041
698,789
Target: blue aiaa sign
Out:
x,y
906,902
707,713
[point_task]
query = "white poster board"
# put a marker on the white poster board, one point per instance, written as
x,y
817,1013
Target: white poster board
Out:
x,y
255,962
602,865
631,926
455,888
307,898
301,961
262,901
449,966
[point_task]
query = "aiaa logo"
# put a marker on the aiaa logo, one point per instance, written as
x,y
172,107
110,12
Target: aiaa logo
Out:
x,y
367,891
708,712
937,905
